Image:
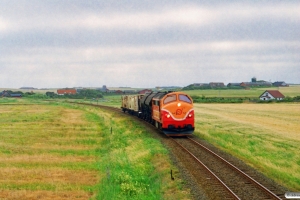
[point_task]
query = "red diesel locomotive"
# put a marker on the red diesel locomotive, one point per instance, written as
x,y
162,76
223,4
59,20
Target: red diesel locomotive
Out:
x,y
171,112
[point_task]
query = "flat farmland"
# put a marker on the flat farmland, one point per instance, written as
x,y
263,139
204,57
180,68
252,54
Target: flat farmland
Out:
x,y
265,136
291,91
57,150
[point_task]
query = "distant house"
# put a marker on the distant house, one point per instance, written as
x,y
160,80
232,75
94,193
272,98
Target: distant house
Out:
x,y
233,84
4,94
8,94
16,95
280,84
104,88
256,84
200,84
216,84
271,95
144,91
66,91
118,91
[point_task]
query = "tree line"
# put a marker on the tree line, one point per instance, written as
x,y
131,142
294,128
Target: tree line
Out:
x,y
82,94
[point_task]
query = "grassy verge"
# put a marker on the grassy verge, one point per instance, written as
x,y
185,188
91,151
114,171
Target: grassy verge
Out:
x,y
62,151
132,161
264,136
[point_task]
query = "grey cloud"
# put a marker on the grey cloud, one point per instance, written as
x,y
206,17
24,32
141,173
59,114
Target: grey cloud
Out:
x,y
72,43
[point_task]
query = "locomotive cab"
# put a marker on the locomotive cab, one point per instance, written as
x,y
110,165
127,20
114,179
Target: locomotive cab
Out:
x,y
174,114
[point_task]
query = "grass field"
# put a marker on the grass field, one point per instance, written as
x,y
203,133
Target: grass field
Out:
x,y
62,151
266,136
291,91
58,151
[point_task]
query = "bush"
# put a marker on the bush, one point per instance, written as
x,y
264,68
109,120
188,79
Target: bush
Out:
x,y
204,99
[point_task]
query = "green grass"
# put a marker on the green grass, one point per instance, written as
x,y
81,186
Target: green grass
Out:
x,y
128,178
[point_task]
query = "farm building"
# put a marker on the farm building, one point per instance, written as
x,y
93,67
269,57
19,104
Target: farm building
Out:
x,y
16,95
280,84
234,85
144,91
200,84
271,95
66,91
104,88
8,94
216,84
256,84
118,92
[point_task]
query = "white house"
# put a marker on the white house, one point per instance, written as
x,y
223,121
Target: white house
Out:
x,y
271,94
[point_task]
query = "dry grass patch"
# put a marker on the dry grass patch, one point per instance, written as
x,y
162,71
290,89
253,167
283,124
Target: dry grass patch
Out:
x,y
44,158
280,119
44,195
71,117
67,145
52,176
47,152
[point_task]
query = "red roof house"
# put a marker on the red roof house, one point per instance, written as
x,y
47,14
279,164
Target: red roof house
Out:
x,y
271,94
144,91
66,91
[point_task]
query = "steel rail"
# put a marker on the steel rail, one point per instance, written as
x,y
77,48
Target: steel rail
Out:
x,y
240,171
212,173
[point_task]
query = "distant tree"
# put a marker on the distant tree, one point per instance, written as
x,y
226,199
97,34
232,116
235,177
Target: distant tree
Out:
x,y
50,94
89,93
29,93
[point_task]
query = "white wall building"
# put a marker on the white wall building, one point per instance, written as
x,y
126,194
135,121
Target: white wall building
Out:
x,y
271,94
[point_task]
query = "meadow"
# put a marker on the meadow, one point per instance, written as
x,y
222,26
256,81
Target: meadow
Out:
x,y
291,91
58,150
265,136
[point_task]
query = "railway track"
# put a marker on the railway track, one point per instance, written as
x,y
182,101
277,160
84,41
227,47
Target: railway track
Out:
x,y
100,106
229,181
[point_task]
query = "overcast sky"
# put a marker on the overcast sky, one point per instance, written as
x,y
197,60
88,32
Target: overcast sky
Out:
x,y
135,43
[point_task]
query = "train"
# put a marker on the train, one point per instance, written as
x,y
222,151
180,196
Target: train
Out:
x,y
170,112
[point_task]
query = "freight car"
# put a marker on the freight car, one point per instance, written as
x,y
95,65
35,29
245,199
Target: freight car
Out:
x,y
171,112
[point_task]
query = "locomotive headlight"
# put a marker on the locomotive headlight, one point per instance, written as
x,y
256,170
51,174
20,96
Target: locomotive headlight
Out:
x,y
168,115
190,115
179,104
